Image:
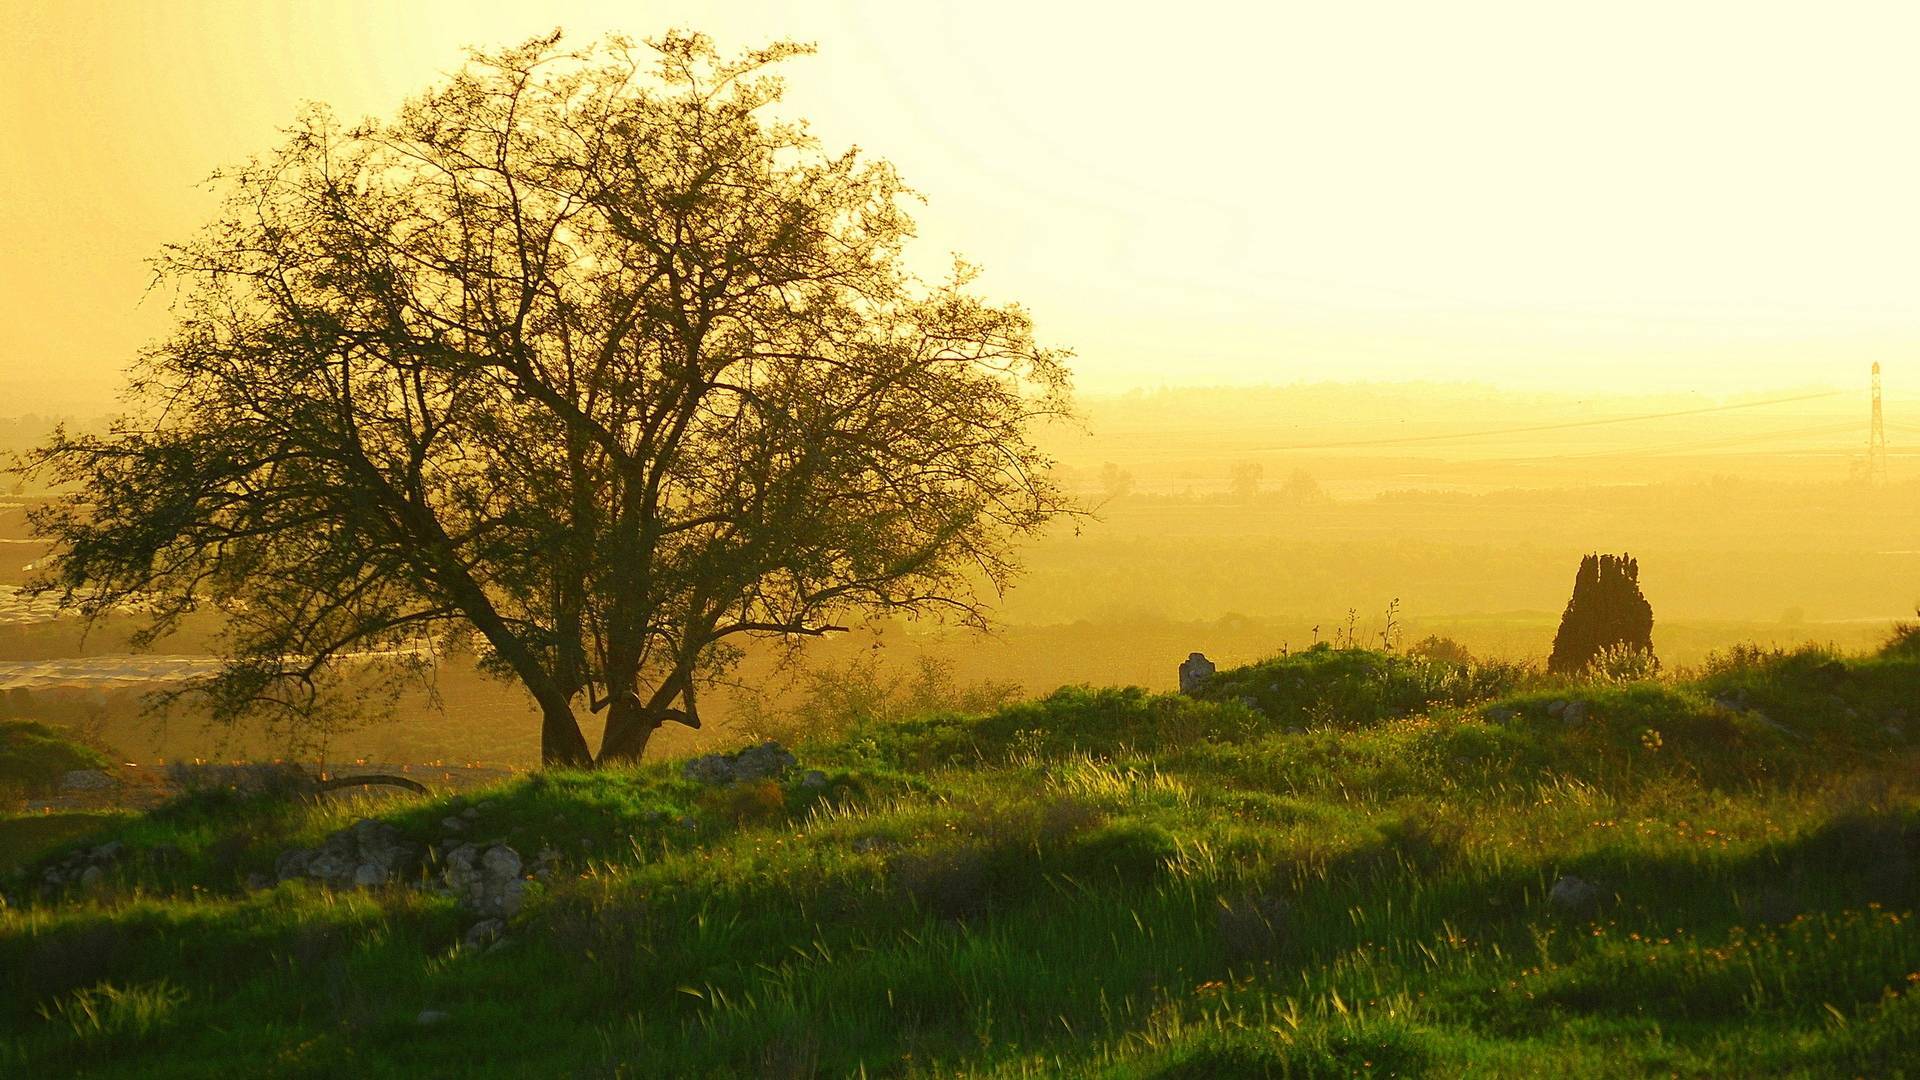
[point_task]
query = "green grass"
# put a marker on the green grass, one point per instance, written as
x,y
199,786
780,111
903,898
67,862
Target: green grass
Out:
x,y
1336,864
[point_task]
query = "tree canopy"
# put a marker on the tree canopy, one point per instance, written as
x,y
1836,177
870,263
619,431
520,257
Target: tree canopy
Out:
x,y
586,357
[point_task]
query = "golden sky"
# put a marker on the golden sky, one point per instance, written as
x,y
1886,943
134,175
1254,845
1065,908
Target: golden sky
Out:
x,y
1711,196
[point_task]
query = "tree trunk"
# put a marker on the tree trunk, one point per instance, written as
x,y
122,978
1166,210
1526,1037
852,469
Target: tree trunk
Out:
x,y
629,728
562,746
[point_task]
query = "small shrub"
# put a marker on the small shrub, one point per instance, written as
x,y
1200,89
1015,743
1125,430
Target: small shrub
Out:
x,y
1904,641
1063,818
1253,929
950,883
1131,851
745,804
1621,663
600,930
1444,649
1425,841
62,958
106,1016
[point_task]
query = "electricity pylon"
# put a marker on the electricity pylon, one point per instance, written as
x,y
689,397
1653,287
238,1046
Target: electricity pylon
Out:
x,y
1876,438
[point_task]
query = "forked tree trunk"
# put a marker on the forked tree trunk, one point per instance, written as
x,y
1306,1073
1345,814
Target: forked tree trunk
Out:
x,y
629,729
632,722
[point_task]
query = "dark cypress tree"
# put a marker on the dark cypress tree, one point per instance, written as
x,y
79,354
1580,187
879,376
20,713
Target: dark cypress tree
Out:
x,y
1606,611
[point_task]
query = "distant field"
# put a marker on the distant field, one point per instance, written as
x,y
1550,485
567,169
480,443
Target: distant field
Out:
x,y
1744,534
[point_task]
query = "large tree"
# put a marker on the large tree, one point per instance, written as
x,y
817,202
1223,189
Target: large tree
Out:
x,y
584,356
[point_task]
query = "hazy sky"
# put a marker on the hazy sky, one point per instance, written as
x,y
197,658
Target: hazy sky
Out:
x,y
1689,195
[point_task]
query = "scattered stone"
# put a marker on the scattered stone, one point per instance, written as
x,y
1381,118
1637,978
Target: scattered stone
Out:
x,y
1557,708
430,1017
768,761
367,854
257,881
1773,725
453,824
87,780
485,932
85,868
252,778
1575,713
813,780
1195,670
470,813
1574,895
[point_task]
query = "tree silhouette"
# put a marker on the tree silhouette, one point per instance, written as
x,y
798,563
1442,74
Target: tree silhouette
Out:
x,y
1606,612
584,360
1244,480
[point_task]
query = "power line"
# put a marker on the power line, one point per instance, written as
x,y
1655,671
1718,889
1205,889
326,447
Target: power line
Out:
x,y
1716,443
1531,429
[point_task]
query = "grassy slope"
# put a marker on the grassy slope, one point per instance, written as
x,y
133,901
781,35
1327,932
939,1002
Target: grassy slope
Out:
x,y
33,756
1338,868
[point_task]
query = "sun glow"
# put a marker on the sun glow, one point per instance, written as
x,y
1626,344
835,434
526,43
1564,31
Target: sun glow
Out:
x,y
1714,197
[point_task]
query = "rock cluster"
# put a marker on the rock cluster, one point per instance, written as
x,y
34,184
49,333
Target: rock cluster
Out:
x,y
84,868
366,854
768,761
486,879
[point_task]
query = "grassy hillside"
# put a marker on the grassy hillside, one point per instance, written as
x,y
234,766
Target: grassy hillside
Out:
x,y
1335,863
33,757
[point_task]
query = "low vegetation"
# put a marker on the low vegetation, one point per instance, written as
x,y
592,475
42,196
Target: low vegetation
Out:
x,y
1338,862
33,757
